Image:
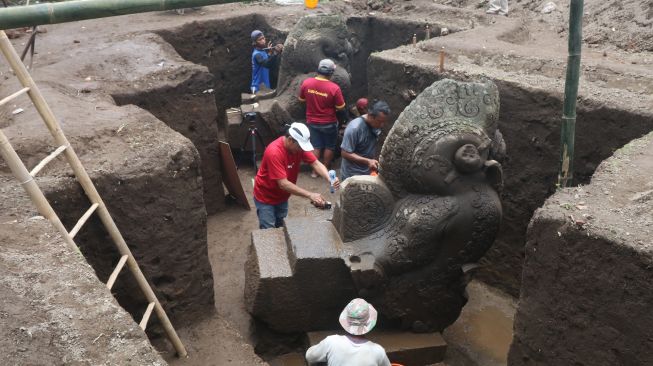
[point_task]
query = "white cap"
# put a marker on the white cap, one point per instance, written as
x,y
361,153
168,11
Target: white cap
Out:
x,y
302,135
326,67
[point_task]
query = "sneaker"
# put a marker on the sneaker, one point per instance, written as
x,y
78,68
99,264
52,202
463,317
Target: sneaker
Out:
x,y
494,12
502,13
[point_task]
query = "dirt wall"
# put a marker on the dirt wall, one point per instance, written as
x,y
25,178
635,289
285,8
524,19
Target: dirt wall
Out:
x,y
588,269
395,32
53,309
148,176
188,108
163,220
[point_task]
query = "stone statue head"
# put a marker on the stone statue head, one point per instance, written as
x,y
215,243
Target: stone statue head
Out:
x,y
315,38
446,138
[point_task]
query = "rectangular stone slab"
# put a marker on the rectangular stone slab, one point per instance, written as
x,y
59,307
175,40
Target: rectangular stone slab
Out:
x,y
311,239
270,290
270,245
406,348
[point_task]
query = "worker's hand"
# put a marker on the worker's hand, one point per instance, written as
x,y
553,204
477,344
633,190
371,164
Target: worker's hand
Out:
x,y
278,48
373,164
317,199
336,183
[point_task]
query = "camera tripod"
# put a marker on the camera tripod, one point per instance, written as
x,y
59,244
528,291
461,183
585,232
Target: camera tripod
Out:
x,y
252,137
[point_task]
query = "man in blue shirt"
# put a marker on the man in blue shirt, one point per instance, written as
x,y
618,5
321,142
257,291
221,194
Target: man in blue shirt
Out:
x,y
264,57
358,147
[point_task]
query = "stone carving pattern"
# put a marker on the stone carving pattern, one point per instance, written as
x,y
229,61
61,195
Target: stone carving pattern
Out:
x,y
366,210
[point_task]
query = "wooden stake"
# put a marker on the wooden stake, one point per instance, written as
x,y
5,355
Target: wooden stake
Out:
x,y
428,32
442,60
414,39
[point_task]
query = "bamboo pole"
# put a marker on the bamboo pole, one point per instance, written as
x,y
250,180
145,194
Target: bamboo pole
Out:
x,y
13,96
568,127
70,11
86,183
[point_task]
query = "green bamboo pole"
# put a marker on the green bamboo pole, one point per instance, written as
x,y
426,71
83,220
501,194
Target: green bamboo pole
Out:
x,y
70,11
566,173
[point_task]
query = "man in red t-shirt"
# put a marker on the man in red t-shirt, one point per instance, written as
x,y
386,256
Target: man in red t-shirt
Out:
x,y
323,100
277,177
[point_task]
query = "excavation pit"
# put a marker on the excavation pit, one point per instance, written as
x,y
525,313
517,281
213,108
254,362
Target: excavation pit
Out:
x,y
158,168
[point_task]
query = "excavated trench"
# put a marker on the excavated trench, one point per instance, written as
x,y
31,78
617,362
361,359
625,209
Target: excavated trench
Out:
x,y
529,121
529,116
221,46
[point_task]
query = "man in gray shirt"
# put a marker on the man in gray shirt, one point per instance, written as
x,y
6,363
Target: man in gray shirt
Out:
x,y
353,349
358,147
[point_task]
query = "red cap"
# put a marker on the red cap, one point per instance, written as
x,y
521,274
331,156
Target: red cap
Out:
x,y
361,104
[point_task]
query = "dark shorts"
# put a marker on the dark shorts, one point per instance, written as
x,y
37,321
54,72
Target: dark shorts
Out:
x,y
324,135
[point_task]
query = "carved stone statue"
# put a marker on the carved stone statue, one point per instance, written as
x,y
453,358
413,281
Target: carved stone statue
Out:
x,y
398,239
433,207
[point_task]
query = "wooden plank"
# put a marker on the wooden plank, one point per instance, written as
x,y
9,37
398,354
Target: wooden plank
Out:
x,y
47,159
13,96
116,271
83,220
146,316
230,175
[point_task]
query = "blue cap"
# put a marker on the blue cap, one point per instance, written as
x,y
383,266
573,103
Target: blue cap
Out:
x,y
256,34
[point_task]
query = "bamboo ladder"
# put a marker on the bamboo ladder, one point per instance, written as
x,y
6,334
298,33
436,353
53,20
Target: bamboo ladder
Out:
x,y
26,179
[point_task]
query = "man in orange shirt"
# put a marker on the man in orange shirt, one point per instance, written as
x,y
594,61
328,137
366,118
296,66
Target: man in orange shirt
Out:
x,y
325,105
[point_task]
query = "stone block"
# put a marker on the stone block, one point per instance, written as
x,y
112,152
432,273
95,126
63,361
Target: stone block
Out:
x,y
270,290
314,250
295,277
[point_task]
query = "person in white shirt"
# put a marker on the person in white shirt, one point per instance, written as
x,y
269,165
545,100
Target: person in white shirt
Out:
x,y
358,318
498,7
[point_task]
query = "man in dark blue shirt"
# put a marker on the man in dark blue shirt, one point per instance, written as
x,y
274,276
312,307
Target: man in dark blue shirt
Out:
x,y
264,57
359,142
